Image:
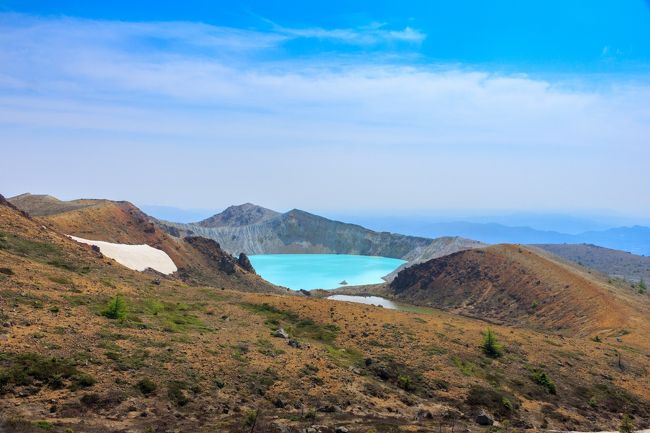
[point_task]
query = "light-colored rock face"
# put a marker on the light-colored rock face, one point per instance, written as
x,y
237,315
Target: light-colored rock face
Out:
x,y
298,232
136,257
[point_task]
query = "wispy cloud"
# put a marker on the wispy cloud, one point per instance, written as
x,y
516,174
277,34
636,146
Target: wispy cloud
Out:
x,y
415,128
373,34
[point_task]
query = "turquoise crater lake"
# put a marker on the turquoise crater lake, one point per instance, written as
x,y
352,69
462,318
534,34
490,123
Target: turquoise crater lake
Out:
x,y
322,271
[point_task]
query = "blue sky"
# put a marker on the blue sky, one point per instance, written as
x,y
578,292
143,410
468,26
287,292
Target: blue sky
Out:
x,y
338,105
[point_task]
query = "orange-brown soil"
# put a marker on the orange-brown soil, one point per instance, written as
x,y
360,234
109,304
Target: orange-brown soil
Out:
x,y
212,364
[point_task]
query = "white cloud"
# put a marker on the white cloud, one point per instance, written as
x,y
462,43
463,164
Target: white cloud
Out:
x,y
346,126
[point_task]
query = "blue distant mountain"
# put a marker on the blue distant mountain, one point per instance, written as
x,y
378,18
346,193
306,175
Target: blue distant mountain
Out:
x,y
635,239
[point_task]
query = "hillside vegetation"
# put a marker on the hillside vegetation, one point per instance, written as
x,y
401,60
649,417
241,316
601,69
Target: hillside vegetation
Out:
x,y
88,345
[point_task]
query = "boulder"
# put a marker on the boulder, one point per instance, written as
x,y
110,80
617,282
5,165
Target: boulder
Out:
x,y
281,333
295,343
484,418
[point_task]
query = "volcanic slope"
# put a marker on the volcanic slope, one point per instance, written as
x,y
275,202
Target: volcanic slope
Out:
x,y
172,357
255,230
524,286
199,260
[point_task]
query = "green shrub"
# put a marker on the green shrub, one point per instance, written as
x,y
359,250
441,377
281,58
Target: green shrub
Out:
x,y
642,287
627,425
116,309
491,346
43,425
146,386
405,383
542,379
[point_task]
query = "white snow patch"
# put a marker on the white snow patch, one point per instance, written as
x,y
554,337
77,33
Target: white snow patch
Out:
x,y
136,257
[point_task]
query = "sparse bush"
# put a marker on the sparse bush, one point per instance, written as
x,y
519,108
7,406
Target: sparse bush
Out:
x,y
64,281
627,425
84,380
146,386
6,271
642,287
500,403
91,399
176,391
491,346
405,383
116,309
542,379
31,368
250,418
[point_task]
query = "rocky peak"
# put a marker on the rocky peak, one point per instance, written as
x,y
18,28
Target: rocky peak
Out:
x,y
240,215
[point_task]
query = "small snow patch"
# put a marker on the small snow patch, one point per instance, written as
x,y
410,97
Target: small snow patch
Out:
x,y
136,257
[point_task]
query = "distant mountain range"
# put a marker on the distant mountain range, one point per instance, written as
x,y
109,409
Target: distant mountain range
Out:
x,y
610,232
634,239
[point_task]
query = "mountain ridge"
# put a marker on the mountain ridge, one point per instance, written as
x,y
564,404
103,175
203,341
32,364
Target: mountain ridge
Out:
x,y
198,262
517,284
298,231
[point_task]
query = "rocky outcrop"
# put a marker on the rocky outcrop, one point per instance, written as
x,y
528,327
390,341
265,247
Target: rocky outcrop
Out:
x,y
213,252
244,262
438,247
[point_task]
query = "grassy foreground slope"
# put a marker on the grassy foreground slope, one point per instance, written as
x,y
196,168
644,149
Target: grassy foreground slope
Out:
x,y
75,356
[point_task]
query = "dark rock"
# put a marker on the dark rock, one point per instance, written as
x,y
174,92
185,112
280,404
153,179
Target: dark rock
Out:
x,y
295,343
483,418
328,409
213,252
424,414
244,262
